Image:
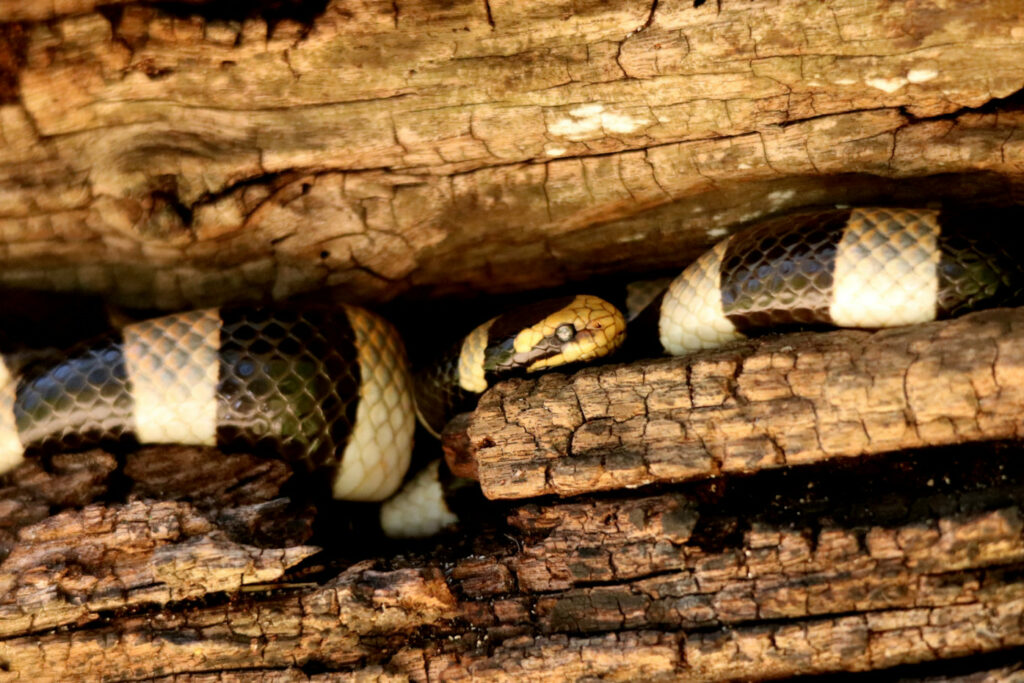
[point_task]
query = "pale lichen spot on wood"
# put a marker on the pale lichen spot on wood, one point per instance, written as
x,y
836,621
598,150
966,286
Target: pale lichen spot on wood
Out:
x,y
620,123
576,127
887,84
587,119
921,75
779,197
589,109
715,233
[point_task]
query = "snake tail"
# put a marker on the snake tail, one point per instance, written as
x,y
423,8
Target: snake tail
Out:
x,y
860,267
325,390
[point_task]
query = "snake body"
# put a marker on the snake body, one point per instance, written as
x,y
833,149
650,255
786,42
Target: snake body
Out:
x,y
331,390
323,389
859,267
326,390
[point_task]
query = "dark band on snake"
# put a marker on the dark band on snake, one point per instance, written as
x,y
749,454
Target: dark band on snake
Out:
x,y
83,401
976,268
780,273
289,384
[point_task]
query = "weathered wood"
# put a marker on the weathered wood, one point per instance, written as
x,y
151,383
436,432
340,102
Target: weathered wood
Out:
x,y
386,147
72,567
740,578
227,485
784,400
179,153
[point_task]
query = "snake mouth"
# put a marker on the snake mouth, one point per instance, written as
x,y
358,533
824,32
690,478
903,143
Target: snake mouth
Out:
x,y
546,349
549,347
589,344
546,353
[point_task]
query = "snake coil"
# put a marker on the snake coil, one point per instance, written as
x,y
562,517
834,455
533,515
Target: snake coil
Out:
x,y
332,391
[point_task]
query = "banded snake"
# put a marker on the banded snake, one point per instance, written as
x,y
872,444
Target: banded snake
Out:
x,y
332,391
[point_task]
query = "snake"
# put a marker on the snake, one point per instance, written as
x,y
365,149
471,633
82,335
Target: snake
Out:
x,y
327,390
331,390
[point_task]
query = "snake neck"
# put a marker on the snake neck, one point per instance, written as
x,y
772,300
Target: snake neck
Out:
x,y
642,340
544,334
439,396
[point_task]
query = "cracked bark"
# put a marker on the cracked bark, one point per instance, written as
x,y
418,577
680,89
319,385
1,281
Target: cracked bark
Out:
x,y
813,570
174,154
778,401
164,159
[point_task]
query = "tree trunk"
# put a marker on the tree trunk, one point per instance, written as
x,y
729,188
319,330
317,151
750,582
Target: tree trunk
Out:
x,y
795,505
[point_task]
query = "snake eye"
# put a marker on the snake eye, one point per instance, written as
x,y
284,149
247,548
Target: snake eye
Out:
x,y
565,332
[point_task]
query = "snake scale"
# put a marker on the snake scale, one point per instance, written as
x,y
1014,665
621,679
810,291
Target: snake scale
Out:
x,y
331,390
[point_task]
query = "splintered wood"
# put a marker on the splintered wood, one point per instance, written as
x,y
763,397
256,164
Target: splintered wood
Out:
x,y
688,585
786,400
78,565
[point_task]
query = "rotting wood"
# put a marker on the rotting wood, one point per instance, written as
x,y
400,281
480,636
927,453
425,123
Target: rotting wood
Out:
x,y
228,485
714,580
72,567
783,400
385,147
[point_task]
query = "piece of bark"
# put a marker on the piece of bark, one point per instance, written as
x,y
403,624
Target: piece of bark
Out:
x,y
177,155
783,400
283,626
205,475
74,566
696,584
766,595
242,492
33,493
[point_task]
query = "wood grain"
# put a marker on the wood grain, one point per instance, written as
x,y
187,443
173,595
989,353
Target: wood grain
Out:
x,y
810,571
779,401
426,148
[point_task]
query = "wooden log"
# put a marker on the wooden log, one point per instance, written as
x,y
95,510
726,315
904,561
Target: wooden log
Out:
x,y
773,402
181,155
72,567
811,570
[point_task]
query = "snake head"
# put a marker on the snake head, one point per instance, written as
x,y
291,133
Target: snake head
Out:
x,y
553,333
